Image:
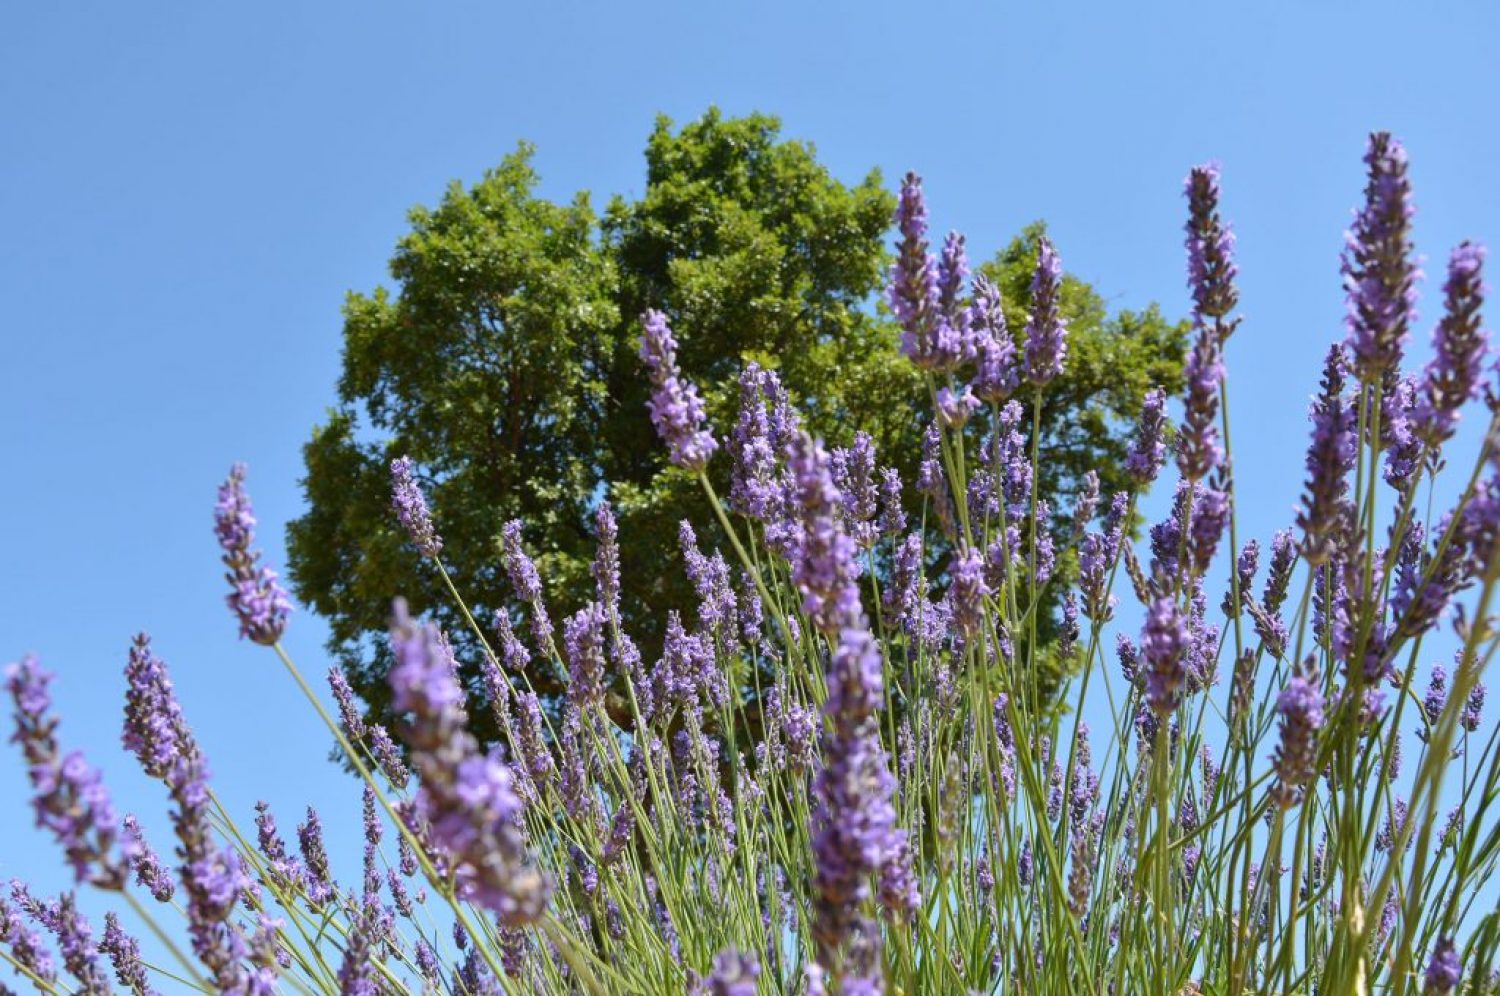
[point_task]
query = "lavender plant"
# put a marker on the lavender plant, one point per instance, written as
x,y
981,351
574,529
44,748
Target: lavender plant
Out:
x,y
909,813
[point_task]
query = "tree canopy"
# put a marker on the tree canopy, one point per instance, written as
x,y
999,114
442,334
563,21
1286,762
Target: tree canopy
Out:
x,y
504,364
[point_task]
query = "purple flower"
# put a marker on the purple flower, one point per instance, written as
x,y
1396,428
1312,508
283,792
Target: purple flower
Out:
x,y
1473,708
255,596
532,747
1148,449
212,877
854,476
1046,329
954,408
1210,246
764,429
25,946
466,799
1444,970
1379,276
1437,695
1046,552
752,473
583,644
286,872
1300,706
154,727
854,822
717,605
318,877
606,567
1244,577
1330,458
1081,872
1096,558
1459,345
144,861
1210,515
523,575
388,755
70,798
824,571
969,590
1163,644
411,508
1403,447
75,942
953,270
512,650
1279,574
125,955
676,408
343,697
996,377
913,290
357,973
373,832
1390,832
933,482
1464,541
1198,449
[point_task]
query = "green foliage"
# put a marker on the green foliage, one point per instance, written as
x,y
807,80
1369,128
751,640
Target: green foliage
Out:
x,y
505,366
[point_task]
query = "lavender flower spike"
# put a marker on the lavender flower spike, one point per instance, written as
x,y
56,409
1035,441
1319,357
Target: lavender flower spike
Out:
x,y
1210,246
75,941
913,290
411,508
71,800
825,571
1379,276
521,570
125,956
676,408
25,946
855,820
1046,329
995,376
1459,344
969,590
1444,970
1164,644
1148,449
154,730
213,878
1301,708
1198,449
255,595
144,861
467,798
1330,458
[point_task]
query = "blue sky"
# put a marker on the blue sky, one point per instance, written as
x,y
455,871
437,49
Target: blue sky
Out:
x,y
188,191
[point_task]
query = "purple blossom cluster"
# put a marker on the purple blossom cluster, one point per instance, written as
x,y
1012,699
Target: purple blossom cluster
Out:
x,y
411,508
1046,328
467,801
255,595
1379,275
676,407
70,799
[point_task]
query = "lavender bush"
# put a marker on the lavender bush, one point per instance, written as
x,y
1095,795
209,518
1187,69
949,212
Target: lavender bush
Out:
x,y
1283,791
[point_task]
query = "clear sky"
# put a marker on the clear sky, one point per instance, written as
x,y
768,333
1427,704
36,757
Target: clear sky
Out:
x,y
187,191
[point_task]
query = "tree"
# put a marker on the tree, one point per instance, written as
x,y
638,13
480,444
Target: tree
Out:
x,y
505,366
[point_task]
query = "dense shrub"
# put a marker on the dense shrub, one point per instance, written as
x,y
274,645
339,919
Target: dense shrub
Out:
x,y
1281,799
